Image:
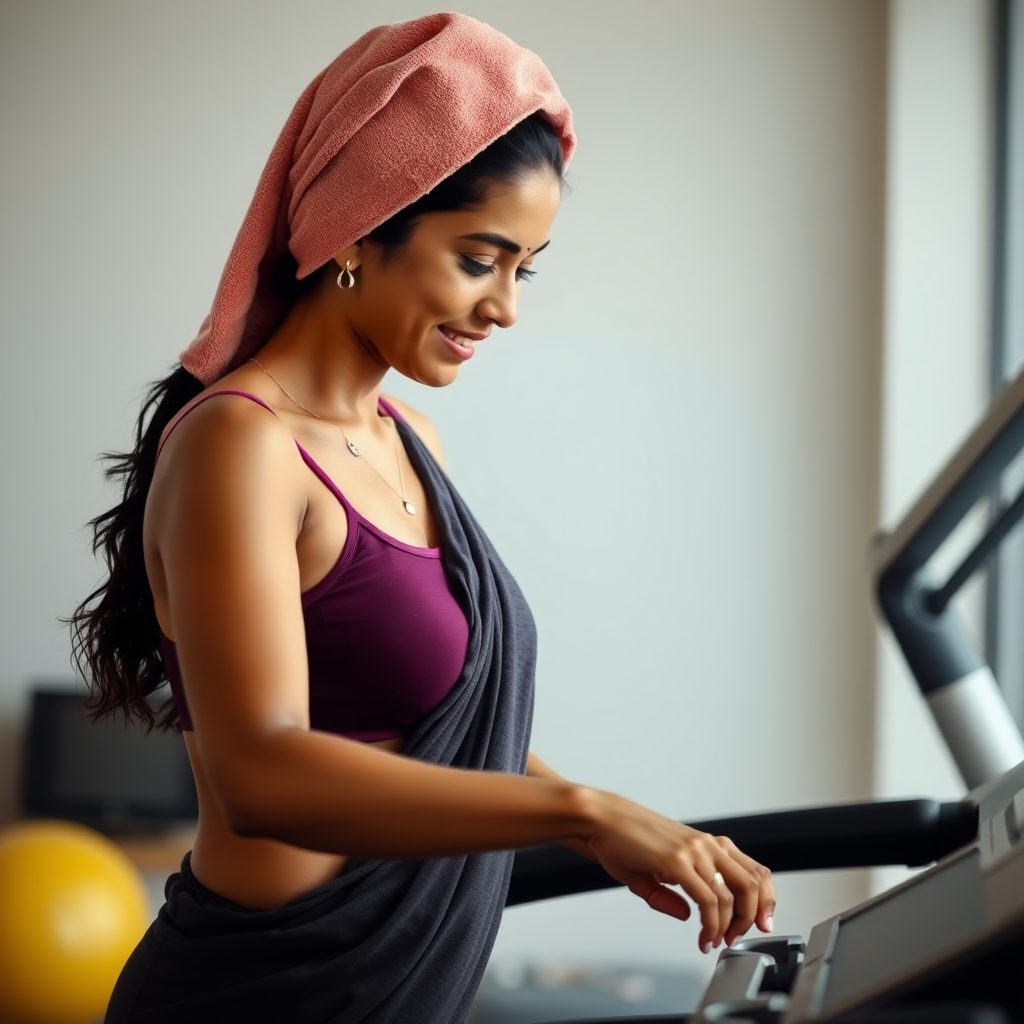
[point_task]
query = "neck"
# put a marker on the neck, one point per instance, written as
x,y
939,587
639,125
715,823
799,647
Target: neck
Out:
x,y
323,362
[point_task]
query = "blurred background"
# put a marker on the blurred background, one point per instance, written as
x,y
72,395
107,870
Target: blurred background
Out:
x,y
770,304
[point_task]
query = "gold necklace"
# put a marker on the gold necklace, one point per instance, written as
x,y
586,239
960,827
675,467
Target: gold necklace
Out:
x,y
352,446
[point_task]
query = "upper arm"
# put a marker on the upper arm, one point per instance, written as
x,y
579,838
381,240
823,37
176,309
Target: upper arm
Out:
x,y
424,428
221,525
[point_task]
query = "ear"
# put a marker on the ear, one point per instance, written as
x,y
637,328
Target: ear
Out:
x,y
351,254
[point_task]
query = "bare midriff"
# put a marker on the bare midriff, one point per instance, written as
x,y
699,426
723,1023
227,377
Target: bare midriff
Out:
x,y
259,873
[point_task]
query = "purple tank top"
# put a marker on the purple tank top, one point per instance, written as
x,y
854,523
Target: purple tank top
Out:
x,y
385,639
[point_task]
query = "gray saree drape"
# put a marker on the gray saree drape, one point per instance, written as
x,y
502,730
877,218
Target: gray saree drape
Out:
x,y
387,941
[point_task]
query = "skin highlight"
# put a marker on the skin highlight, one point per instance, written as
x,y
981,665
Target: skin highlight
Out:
x,y
236,528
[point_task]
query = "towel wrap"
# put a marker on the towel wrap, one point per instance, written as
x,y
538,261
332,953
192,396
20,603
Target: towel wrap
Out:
x,y
386,942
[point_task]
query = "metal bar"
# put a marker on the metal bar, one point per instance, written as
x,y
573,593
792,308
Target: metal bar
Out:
x,y
991,540
910,832
971,713
968,476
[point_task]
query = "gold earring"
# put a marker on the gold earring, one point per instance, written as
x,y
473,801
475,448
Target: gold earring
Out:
x,y
346,278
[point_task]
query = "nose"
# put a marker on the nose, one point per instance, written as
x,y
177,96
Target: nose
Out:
x,y
498,306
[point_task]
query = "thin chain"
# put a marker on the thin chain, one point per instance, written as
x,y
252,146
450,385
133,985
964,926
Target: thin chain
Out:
x,y
352,447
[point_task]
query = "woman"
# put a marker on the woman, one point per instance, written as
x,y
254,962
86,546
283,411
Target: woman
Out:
x,y
350,663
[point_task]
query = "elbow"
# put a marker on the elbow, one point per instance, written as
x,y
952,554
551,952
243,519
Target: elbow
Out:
x,y
246,813
247,822
253,782
249,803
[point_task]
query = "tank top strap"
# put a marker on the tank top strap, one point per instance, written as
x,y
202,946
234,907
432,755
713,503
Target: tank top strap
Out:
x,y
384,404
316,469
206,398
323,477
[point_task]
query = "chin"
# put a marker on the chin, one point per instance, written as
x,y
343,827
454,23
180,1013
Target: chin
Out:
x,y
445,375
437,375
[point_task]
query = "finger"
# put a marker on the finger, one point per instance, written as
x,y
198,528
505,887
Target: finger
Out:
x,y
745,889
745,886
766,887
707,867
661,898
707,904
723,890
766,900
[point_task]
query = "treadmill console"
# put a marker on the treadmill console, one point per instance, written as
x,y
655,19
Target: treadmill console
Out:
x,y
953,934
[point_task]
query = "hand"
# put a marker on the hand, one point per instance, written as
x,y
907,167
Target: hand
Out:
x,y
647,853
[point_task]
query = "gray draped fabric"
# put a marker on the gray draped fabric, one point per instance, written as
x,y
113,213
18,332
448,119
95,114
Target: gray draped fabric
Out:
x,y
400,942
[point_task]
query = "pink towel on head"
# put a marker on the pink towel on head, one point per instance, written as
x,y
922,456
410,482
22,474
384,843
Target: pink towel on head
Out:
x,y
400,110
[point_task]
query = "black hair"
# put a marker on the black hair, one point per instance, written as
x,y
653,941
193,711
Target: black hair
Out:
x,y
115,638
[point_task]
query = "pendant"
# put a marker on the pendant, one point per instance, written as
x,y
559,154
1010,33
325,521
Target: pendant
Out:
x,y
353,449
409,507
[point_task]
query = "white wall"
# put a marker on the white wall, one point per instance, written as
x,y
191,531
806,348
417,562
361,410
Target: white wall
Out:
x,y
676,449
1008,656
936,322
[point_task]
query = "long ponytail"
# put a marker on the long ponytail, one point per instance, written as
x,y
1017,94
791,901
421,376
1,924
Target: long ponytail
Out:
x,y
115,640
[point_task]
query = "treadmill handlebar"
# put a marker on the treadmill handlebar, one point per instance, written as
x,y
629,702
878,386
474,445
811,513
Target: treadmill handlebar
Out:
x,y
968,475
876,834
971,713
936,643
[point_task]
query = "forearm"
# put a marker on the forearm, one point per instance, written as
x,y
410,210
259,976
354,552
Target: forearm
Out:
x,y
322,792
319,792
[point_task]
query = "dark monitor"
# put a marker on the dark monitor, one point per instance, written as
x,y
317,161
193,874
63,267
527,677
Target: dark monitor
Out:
x,y
108,775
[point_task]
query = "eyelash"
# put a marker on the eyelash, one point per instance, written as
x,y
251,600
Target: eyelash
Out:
x,y
478,269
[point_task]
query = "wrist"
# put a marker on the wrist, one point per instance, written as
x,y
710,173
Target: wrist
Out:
x,y
585,811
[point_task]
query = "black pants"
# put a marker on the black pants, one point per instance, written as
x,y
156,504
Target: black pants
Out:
x,y
206,958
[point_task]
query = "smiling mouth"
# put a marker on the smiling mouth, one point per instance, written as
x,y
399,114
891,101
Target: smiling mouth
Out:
x,y
459,339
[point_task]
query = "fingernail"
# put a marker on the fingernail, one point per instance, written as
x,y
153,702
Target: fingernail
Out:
x,y
705,947
770,924
732,942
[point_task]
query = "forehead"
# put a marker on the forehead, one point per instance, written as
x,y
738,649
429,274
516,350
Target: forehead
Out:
x,y
521,210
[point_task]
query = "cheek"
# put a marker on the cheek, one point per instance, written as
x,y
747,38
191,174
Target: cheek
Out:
x,y
404,300
438,286
425,295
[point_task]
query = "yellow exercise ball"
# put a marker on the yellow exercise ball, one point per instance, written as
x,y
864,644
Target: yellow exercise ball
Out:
x,y
72,908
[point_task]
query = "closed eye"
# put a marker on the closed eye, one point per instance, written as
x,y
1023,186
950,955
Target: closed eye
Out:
x,y
478,269
475,267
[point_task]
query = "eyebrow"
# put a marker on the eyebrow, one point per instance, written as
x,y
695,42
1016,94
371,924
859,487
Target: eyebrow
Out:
x,y
502,242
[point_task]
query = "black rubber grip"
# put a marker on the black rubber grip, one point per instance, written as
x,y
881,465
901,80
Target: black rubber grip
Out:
x,y
877,834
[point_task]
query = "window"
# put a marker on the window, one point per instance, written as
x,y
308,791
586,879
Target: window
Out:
x,y
1004,640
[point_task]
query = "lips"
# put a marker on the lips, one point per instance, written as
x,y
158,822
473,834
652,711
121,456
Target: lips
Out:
x,y
461,344
460,337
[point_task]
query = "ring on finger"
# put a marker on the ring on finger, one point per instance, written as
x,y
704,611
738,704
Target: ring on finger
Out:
x,y
717,879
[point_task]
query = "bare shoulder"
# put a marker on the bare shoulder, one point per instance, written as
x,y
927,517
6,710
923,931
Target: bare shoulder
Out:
x,y
223,456
225,425
227,501
423,426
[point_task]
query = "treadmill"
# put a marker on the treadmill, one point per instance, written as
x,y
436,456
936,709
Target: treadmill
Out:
x,y
947,945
